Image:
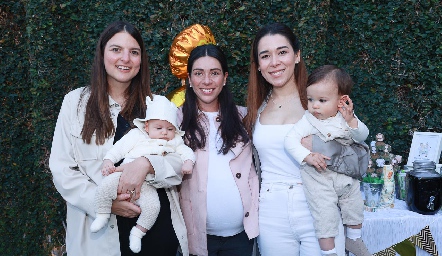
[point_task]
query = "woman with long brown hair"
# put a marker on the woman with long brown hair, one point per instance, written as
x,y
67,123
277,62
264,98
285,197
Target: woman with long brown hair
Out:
x,y
91,120
220,198
277,100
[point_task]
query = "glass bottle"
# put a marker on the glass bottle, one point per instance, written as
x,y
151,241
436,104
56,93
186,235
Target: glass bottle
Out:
x,y
424,188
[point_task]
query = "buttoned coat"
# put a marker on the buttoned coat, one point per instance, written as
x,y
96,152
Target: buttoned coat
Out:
x,y
76,171
193,190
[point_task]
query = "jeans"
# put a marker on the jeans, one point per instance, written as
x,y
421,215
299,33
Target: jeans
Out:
x,y
286,224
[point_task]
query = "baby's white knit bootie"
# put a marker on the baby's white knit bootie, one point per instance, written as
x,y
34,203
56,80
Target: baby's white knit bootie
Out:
x,y
100,221
135,239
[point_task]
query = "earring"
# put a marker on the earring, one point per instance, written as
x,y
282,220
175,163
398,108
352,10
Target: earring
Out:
x,y
259,69
224,84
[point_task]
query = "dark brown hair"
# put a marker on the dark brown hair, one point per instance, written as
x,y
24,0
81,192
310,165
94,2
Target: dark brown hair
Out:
x,y
258,87
97,117
231,128
332,72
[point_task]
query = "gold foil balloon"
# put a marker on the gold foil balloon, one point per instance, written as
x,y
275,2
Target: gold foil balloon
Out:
x,y
182,45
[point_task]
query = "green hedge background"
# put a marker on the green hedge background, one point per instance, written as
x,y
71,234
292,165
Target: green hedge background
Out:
x,y
392,49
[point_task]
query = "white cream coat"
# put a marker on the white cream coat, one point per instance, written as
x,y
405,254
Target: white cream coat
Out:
x,y
75,167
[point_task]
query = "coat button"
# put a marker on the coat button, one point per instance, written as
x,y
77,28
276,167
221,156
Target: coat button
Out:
x,y
164,153
218,119
238,175
112,226
247,214
328,135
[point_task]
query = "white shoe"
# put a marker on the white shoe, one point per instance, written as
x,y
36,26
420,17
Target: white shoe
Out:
x,y
357,247
100,221
135,239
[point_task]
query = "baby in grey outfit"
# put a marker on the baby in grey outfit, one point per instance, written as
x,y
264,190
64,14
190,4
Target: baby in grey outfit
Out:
x,y
329,188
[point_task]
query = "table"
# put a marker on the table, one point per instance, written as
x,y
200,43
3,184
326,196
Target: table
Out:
x,y
389,226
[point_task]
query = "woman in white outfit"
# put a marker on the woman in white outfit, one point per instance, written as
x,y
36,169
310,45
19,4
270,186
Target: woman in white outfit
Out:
x,y
276,101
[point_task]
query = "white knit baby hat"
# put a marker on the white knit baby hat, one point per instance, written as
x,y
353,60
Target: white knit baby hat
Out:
x,y
162,109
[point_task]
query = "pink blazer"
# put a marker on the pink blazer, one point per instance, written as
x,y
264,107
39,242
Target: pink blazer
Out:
x,y
193,193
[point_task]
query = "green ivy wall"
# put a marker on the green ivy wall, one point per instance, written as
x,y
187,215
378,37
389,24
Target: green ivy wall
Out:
x,y
392,49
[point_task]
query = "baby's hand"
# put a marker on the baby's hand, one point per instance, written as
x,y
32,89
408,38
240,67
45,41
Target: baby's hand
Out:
x,y
317,160
346,109
187,167
107,167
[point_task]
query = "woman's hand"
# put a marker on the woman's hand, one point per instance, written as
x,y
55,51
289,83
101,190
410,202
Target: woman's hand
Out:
x,y
133,176
317,160
123,206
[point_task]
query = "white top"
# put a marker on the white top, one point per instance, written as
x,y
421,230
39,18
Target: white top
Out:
x,y
329,129
276,163
225,211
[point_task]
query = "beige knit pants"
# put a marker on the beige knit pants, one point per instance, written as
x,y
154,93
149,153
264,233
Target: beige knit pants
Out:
x,y
148,201
329,193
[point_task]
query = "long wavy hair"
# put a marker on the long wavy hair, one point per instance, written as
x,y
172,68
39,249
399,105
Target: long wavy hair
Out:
x,y
97,118
258,87
231,128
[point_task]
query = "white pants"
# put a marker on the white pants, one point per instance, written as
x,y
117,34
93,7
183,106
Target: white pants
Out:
x,y
286,224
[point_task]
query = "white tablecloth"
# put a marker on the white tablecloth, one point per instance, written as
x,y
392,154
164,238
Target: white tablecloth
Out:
x,y
386,227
